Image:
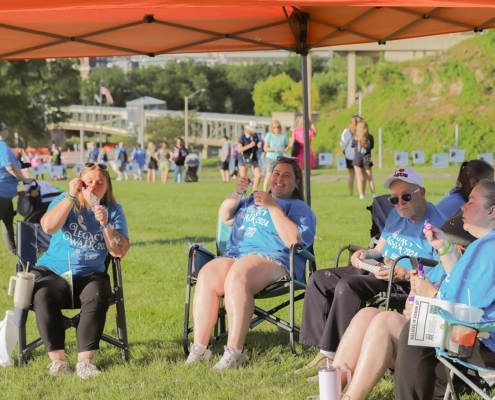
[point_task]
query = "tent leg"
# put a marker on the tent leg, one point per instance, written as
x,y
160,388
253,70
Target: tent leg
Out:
x,y
307,123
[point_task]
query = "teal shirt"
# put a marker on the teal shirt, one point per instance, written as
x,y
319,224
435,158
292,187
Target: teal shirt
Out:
x,y
281,142
8,182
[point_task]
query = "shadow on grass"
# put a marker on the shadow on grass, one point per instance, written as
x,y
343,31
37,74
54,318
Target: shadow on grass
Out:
x,y
191,239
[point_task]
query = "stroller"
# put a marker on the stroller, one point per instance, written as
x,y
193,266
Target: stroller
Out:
x,y
34,200
192,164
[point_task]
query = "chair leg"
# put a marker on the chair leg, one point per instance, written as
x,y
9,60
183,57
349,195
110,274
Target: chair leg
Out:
x,y
450,384
185,338
122,328
222,317
22,345
291,333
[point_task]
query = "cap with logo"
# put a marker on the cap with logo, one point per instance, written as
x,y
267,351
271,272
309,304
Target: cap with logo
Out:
x,y
252,127
408,175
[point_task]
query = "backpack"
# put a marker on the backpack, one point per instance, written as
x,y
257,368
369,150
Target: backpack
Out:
x,y
295,149
123,156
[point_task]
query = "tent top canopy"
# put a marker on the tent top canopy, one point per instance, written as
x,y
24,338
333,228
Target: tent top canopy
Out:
x,y
83,28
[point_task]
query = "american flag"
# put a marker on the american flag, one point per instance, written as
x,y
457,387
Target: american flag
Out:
x,y
106,92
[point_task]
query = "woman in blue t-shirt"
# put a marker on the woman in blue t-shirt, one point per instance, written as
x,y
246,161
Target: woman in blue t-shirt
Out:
x,y
264,226
86,224
470,174
276,145
377,340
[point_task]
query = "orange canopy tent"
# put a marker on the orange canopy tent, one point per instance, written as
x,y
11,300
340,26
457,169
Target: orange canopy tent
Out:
x,y
83,28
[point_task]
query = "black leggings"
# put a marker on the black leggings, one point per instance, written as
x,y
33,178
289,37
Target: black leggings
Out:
x,y
51,295
7,217
333,297
420,376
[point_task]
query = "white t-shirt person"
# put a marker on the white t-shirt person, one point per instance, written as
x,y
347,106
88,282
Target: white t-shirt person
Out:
x,y
346,140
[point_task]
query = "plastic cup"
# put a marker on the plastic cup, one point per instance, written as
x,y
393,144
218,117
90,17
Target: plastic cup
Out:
x,y
467,313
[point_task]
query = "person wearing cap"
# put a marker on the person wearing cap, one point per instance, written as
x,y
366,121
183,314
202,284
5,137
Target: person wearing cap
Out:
x,y
225,159
378,340
334,296
10,175
247,147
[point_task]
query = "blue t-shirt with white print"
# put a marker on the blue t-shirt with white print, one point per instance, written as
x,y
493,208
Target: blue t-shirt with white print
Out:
x,y
8,182
452,201
407,239
81,239
475,271
254,232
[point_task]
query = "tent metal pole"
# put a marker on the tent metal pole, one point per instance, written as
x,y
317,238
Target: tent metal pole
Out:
x,y
306,125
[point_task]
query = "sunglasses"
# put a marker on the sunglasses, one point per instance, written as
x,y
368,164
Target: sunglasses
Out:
x,y
394,200
92,164
288,159
276,127
356,116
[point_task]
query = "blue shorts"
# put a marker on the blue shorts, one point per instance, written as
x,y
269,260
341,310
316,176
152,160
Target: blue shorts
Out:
x,y
248,163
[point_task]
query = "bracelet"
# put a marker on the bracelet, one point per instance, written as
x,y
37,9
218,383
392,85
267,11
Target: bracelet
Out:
x,y
70,198
109,225
445,251
367,254
240,193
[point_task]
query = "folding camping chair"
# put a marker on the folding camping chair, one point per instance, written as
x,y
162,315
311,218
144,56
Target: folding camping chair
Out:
x,y
199,256
487,376
31,240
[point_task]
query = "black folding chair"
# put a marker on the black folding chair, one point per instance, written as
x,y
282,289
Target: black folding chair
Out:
x,y
199,256
31,240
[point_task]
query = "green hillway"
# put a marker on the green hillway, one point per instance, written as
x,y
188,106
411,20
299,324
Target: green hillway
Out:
x,y
418,103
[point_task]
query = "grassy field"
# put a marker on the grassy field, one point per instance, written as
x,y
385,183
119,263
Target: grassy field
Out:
x,y
162,221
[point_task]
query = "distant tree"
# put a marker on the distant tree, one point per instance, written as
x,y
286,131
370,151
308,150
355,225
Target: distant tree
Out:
x,y
281,93
32,94
168,128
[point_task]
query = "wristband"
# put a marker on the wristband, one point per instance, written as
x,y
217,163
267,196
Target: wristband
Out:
x,y
445,251
109,225
71,199
240,193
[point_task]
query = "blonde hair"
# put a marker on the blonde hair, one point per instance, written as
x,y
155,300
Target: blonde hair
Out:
x,y
108,197
299,122
362,132
273,123
353,123
103,151
151,148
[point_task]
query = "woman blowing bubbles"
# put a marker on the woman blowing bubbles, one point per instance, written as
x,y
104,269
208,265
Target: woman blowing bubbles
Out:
x,y
264,226
86,224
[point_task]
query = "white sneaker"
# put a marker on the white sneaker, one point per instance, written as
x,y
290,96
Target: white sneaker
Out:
x,y
126,178
58,367
231,360
120,178
85,368
198,354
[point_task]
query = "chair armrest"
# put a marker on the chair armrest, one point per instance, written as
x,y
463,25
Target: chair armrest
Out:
x,y
305,253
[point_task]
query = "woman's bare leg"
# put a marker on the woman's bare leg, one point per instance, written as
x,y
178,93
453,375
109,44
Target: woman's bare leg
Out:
x,y
369,174
360,180
243,171
352,176
209,288
56,355
266,182
247,277
148,175
378,353
257,177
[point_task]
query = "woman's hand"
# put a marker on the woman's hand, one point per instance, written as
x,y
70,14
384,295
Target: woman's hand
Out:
x,y
75,187
358,255
263,199
409,307
242,184
436,238
401,274
101,214
422,287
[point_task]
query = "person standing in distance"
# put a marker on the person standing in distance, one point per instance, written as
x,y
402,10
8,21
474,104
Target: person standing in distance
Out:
x,y
346,143
10,175
121,159
225,159
179,156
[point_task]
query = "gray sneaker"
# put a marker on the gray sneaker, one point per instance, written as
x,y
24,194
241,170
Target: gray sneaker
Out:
x,y
198,354
231,360
58,367
85,368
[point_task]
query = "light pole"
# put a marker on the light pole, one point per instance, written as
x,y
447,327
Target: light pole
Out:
x,y
186,110
141,127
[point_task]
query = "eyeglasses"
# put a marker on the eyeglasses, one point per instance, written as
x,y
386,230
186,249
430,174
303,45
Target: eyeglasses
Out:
x,y
288,159
394,200
92,164
276,127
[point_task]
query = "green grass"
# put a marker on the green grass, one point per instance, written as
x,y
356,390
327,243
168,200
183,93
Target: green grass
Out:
x,y
162,220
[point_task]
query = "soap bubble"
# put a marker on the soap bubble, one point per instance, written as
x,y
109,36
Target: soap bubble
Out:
x,y
367,160
116,239
327,273
257,38
366,144
458,185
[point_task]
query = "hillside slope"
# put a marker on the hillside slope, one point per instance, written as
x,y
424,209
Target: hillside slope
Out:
x,y
418,103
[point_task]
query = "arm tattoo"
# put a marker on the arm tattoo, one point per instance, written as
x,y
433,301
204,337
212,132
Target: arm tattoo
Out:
x,y
121,242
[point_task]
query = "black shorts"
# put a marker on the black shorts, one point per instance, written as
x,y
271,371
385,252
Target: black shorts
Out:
x,y
122,167
361,164
348,164
225,166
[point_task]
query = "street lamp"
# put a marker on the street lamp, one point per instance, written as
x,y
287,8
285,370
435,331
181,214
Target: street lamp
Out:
x,y
186,103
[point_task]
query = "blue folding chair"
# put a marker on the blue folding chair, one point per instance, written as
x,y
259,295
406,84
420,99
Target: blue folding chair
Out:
x,y
199,256
487,375
31,241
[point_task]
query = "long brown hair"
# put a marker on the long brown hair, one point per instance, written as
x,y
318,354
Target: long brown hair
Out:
x,y
474,169
362,133
298,193
353,123
165,148
108,197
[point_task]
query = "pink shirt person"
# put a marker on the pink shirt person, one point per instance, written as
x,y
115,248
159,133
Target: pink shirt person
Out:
x,y
299,136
